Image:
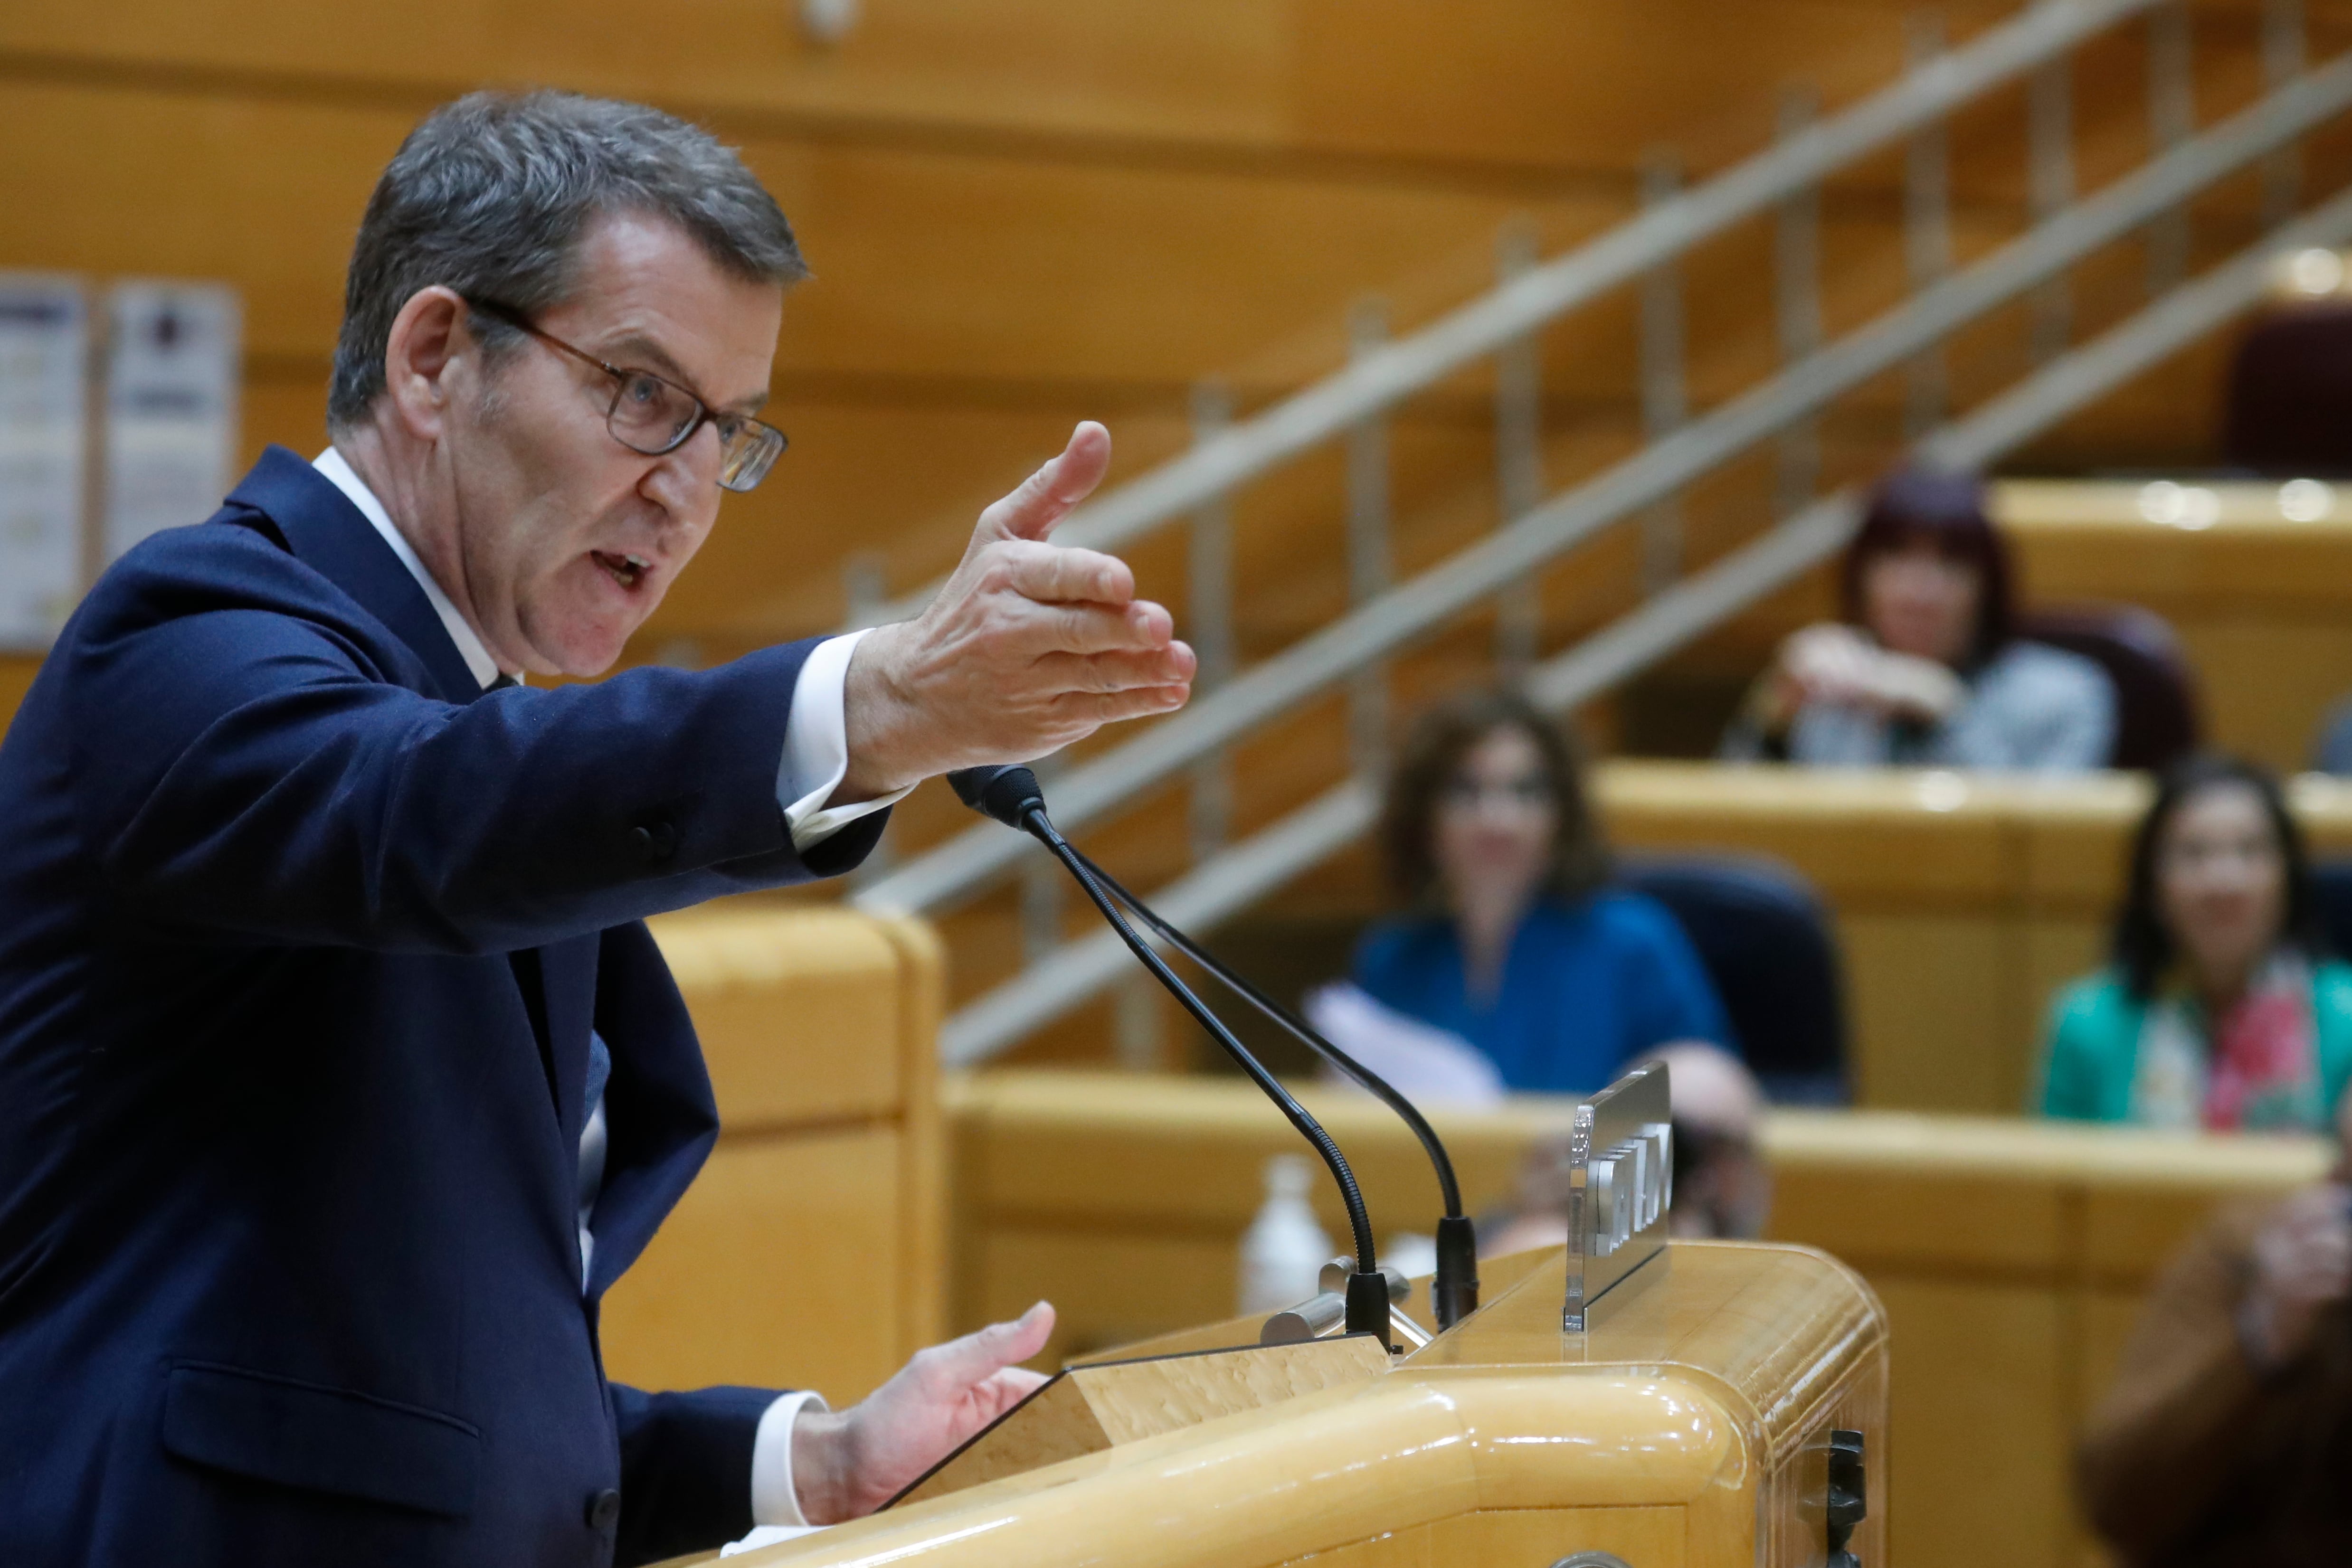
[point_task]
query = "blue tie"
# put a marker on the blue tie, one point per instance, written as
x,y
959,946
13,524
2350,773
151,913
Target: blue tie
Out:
x,y
600,1068
592,1144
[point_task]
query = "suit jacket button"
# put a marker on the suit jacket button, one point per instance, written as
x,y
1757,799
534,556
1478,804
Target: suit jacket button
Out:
x,y
655,840
603,1510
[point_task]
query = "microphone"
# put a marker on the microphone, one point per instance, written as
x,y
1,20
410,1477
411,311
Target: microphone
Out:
x,y
1011,796
1453,1293
1005,792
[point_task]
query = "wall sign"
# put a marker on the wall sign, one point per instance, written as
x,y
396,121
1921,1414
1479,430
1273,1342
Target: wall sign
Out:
x,y
171,405
44,453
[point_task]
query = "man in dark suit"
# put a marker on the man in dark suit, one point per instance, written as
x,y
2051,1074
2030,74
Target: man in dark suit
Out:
x,y
338,1076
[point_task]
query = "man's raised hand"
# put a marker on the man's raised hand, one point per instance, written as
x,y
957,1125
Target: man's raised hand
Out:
x,y
1027,648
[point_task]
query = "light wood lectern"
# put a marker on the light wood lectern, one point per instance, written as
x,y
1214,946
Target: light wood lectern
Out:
x,y
1686,1424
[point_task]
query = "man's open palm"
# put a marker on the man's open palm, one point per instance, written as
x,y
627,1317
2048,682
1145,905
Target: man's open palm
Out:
x,y
846,1465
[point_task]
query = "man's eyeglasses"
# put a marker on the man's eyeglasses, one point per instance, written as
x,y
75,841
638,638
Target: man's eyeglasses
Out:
x,y
652,416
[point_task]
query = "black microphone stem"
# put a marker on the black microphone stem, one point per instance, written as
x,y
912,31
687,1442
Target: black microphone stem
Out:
x,y
1359,1221
1455,1296
1449,1190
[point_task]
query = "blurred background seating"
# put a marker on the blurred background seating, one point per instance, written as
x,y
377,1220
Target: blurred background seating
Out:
x,y
1766,943
2154,687
2289,399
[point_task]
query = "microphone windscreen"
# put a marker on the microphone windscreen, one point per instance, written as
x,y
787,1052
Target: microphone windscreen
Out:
x,y
1005,792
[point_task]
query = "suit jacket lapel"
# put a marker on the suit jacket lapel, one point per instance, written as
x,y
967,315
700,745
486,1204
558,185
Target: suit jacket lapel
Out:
x,y
321,526
329,534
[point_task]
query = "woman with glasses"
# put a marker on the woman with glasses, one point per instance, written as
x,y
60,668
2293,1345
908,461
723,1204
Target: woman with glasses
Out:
x,y
2218,1008
1515,942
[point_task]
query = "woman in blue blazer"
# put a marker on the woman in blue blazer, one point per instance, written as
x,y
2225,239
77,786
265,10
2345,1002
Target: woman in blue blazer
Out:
x,y
1516,941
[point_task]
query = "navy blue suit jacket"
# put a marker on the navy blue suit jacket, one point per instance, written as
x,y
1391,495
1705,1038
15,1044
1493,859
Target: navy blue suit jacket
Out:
x,y
301,938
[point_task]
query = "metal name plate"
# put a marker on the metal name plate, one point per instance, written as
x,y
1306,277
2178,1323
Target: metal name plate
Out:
x,y
1621,1186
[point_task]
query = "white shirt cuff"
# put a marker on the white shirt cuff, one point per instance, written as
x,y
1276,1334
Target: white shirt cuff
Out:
x,y
816,748
773,1499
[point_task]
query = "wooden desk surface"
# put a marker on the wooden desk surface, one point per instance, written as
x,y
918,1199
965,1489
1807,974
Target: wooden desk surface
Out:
x,y
2255,577
2298,508
1108,1153
1919,833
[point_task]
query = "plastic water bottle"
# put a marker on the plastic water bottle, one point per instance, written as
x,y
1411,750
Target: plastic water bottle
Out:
x,y
1283,1249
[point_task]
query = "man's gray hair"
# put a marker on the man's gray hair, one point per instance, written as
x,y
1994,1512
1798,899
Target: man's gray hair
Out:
x,y
491,194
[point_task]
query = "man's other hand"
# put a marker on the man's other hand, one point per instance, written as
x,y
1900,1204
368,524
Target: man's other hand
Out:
x,y
1029,647
848,1463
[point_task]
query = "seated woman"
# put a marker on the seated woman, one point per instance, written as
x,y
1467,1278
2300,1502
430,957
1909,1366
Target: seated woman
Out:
x,y
1924,671
1518,945
2219,1009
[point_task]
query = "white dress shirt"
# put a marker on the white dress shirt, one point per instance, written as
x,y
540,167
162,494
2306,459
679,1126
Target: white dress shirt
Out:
x,y
815,758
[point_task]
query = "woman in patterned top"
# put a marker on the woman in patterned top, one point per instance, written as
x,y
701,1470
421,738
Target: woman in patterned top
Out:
x,y
2219,1008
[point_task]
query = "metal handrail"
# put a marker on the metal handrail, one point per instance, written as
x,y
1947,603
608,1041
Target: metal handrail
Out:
x,y
1241,874
1379,381
957,869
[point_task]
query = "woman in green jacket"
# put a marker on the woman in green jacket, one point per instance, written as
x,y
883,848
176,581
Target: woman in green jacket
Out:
x,y
2220,1010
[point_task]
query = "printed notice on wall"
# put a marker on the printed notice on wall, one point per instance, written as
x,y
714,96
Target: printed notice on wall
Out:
x,y
170,406
44,422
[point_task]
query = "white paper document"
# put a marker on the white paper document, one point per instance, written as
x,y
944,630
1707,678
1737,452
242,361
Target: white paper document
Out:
x,y
44,453
768,1535
172,406
1419,1060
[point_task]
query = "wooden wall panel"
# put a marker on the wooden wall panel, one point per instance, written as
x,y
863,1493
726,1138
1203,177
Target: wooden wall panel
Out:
x,y
809,1251
260,194
800,1013
768,1272
928,263
1986,1225
922,1250
1980,1442
1519,88
1903,968
1215,70
284,411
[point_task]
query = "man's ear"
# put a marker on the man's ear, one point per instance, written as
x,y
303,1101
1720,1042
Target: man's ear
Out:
x,y
427,338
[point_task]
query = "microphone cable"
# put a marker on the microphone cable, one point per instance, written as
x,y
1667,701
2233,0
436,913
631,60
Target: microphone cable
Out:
x,y
1454,1292
1011,796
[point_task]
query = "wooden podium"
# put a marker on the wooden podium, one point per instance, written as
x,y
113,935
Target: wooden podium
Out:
x,y
1687,1427
1621,1401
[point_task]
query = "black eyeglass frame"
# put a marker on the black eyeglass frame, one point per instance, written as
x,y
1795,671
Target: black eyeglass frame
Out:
x,y
735,461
